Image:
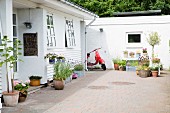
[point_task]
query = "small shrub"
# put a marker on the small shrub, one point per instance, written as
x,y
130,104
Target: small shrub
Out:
x,y
78,67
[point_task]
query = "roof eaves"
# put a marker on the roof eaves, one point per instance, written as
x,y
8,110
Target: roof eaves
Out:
x,y
78,7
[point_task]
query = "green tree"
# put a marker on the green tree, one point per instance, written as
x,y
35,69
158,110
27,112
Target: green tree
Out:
x,y
106,8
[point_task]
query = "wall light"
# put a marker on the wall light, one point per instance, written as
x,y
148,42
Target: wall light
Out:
x,y
28,24
101,29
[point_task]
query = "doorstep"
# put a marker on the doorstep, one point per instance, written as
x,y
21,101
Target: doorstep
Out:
x,y
33,89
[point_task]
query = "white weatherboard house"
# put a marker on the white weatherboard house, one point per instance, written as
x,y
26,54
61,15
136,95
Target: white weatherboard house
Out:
x,y
112,34
57,26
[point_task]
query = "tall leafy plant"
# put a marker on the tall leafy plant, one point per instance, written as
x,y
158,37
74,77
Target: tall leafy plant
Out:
x,y
9,58
153,39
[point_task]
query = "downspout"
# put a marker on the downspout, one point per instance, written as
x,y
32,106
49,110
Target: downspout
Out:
x,y
86,42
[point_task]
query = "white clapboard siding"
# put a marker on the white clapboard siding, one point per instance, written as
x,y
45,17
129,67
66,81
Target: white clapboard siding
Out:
x,y
73,54
50,72
0,87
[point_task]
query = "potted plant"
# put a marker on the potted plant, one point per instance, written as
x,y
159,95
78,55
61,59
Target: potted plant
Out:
x,y
10,57
116,65
156,60
61,58
138,53
144,71
51,57
154,70
78,69
122,65
132,54
153,39
35,80
125,54
61,72
22,88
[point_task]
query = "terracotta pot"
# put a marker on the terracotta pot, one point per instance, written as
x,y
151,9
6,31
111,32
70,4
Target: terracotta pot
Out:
x,y
22,96
144,73
35,82
116,66
154,73
11,98
58,84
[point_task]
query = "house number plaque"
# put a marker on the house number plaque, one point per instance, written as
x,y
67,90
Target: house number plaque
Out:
x,y
30,44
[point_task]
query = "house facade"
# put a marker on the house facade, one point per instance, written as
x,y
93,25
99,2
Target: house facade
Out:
x,y
114,35
43,26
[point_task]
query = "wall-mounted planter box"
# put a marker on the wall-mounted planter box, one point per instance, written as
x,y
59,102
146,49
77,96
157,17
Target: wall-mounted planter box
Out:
x,y
130,68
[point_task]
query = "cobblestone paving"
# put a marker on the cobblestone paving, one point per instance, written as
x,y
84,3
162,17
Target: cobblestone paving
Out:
x,y
102,92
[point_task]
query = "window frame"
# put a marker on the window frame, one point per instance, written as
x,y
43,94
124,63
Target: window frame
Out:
x,y
70,40
51,37
134,44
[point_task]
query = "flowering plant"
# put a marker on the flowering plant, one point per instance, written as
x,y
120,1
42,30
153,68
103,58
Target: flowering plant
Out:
x,y
60,57
21,86
144,50
51,56
155,60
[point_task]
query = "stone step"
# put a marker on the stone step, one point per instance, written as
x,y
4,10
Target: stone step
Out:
x,y
33,89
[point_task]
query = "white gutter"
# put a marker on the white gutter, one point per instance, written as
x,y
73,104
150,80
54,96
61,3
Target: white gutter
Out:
x,y
86,42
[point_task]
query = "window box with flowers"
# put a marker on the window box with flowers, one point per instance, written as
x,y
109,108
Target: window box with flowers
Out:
x,y
132,54
51,57
22,88
60,58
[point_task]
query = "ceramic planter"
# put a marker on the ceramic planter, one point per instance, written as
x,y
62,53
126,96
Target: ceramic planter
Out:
x,y
116,66
11,98
35,82
58,84
154,73
79,73
22,96
144,73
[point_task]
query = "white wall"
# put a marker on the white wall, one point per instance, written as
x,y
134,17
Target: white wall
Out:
x,y
115,30
32,65
36,65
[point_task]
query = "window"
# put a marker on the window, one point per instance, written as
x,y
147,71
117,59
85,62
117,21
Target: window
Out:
x,y
14,25
69,34
51,41
15,37
134,38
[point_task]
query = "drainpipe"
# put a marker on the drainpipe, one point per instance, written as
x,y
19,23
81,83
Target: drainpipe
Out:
x,y
86,42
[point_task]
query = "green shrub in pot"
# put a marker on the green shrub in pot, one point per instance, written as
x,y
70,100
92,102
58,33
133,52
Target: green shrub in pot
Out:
x,y
78,69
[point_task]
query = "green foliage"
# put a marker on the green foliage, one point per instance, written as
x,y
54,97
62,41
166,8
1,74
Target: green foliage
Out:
x,y
35,77
122,63
155,67
153,39
21,86
78,67
62,71
10,57
106,8
116,60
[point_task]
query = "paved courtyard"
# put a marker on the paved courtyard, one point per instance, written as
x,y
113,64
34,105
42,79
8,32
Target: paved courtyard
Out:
x,y
102,92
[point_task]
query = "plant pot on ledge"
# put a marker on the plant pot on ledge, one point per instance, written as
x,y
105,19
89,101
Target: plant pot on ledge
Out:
x,y
35,80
